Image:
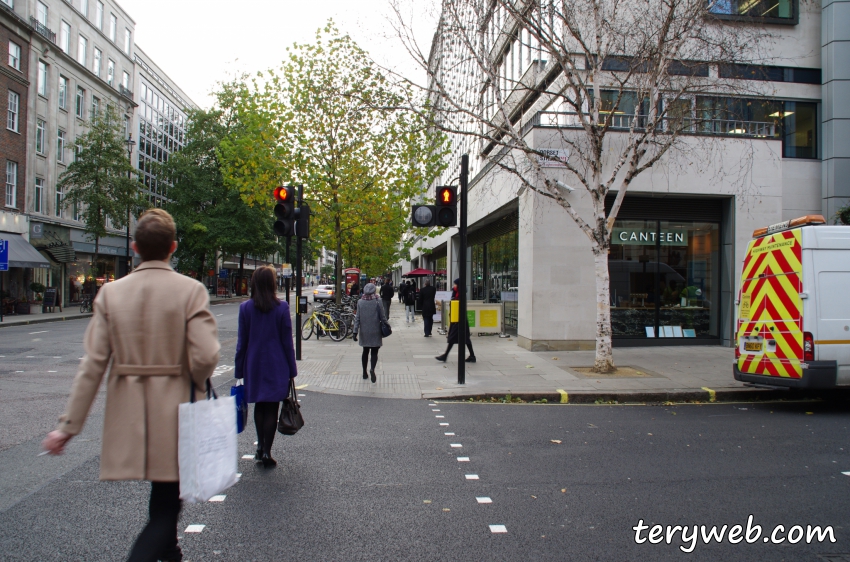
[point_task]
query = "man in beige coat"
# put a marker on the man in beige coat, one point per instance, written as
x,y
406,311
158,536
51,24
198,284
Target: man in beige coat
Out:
x,y
155,335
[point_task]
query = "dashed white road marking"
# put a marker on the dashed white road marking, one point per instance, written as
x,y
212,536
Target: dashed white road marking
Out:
x,y
238,475
463,459
57,357
247,456
498,529
51,371
444,424
19,371
432,404
483,500
30,356
194,528
41,332
449,434
440,417
456,445
844,473
472,477
435,410
219,498
217,315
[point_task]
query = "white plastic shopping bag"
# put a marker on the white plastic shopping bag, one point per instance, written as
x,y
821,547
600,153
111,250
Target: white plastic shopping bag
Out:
x,y
206,448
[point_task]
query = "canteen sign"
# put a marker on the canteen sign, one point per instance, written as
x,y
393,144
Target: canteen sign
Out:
x,y
646,237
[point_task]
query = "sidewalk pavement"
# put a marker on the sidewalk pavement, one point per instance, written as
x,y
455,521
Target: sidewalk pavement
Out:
x,y
407,369
73,313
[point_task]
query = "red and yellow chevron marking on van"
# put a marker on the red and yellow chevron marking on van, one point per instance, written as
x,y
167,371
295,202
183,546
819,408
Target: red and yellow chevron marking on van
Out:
x,y
770,313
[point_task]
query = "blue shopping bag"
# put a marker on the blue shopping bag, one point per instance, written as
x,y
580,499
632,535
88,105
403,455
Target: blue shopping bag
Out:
x,y
238,392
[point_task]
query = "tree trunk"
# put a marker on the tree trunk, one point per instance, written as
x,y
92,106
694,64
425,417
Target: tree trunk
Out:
x,y
95,268
200,274
241,273
338,268
604,362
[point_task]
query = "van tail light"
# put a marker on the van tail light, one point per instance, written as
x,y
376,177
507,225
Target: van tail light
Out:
x,y
808,347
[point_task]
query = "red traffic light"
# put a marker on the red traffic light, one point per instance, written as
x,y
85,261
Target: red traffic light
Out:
x,y
446,195
283,193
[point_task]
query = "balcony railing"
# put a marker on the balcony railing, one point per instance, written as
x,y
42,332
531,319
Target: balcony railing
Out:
x,y
43,30
126,92
681,125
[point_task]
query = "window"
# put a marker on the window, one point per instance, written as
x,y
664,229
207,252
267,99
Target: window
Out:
x,y
11,183
778,10
78,150
60,197
41,13
9,3
125,80
60,146
97,58
113,25
42,78
799,130
63,91
127,41
84,7
14,56
95,106
98,15
65,37
110,72
12,112
82,46
81,100
38,196
40,130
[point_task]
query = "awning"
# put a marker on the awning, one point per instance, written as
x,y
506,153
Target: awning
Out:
x,y
418,273
61,253
22,253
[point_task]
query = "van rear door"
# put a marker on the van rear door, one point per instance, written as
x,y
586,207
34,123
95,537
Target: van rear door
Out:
x,y
832,340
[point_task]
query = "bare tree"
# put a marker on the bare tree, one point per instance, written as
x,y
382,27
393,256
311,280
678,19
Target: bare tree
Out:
x,y
619,81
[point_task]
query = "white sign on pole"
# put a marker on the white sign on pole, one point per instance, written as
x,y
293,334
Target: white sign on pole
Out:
x,y
286,270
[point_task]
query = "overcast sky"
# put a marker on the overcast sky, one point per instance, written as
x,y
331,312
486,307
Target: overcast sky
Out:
x,y
200,42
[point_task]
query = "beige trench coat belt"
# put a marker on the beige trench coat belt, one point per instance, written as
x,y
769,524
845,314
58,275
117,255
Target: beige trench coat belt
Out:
x,y
147,370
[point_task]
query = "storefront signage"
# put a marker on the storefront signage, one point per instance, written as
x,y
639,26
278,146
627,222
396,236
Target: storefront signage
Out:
x,y
646,237
554,158
4,255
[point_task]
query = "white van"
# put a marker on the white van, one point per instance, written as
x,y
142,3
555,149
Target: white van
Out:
x,y
793,325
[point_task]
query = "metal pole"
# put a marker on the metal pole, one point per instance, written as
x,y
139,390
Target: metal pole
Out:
x,y
130,144
461,325
297,330
286,281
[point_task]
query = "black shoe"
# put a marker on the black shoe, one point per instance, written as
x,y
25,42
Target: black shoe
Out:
x,y
470,359
441,358
372,372
259,456
268,462
172,555
365,375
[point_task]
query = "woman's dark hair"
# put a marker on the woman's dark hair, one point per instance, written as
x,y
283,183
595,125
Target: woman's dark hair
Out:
x,y
263,289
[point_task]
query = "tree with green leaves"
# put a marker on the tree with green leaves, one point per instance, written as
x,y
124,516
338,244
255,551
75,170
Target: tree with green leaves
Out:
x,y
99,180
329,119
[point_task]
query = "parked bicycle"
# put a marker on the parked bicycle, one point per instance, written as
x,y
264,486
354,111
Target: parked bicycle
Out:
x,y
323,323
86,304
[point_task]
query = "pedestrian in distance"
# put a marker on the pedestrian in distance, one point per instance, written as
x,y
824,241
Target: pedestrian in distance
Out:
x,y
386,296
428,306
265,357
367,327
355,289
154,327
402,288
409,303
453,331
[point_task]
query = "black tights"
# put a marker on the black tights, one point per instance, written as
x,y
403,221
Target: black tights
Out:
x,y
265,419
158,540
468,346
366,357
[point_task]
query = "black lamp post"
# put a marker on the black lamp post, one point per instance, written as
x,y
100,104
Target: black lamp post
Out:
x,y
130,144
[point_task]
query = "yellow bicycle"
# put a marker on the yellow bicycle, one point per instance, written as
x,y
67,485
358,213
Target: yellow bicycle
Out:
x,y
323,323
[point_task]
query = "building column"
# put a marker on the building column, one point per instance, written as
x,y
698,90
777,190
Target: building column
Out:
x,y
835,112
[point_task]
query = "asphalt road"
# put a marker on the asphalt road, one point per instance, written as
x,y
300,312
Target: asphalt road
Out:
x,y
379,479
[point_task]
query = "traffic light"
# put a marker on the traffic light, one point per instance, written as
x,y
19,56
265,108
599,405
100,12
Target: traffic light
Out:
x,y
284,210
302,223
424,216
446,208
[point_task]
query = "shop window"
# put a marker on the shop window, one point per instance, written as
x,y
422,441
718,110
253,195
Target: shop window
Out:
x,y
665,279
762,10
799,130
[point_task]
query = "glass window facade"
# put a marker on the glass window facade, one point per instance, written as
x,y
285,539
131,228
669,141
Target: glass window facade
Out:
x,y
495,267
758,9
665,279
162,129
799,130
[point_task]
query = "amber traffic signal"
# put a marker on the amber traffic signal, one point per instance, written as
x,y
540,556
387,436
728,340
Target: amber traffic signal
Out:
x,y
446,207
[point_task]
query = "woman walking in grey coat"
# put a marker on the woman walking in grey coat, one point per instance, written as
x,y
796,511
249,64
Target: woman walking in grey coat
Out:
x,y
367,323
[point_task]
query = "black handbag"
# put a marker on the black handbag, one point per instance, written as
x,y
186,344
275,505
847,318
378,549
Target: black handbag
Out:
x,y
290,420
386,329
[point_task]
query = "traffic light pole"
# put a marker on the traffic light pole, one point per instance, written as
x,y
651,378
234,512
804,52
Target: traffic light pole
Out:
x,y
462,320
297,330
286,280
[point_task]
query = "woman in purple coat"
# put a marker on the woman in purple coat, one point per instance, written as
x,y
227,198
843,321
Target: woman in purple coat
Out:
x,y
265,357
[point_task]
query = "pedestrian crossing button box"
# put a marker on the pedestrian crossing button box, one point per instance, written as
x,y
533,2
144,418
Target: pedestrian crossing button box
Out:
x,y
302,305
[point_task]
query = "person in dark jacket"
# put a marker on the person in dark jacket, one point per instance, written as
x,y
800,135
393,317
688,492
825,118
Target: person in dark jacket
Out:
x,y
428,306
265,357
402,289
409,303
367,327
453,330
386,296
355,289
